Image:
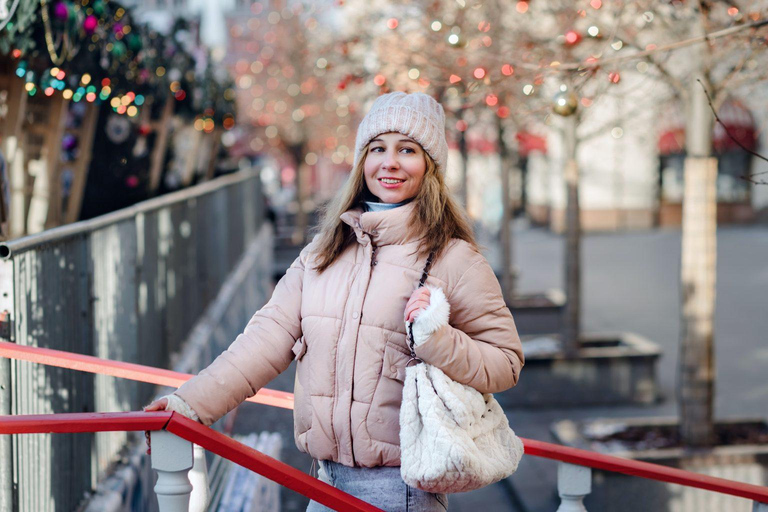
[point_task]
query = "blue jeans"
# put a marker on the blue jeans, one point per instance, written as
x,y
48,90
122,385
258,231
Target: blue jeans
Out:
x,y
382,487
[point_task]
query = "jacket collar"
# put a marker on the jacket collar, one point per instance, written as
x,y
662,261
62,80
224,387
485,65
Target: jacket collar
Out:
x,y
389,227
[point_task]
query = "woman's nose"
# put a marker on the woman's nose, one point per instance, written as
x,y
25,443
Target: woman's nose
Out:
x,y
390,161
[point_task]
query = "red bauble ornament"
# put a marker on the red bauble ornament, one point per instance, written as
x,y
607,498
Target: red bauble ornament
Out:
x,y
572,38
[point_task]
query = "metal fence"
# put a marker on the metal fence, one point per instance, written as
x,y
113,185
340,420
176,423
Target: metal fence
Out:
x,y
127,286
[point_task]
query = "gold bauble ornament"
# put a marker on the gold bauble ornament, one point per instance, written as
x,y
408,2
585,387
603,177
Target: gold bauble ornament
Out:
x,y
565,103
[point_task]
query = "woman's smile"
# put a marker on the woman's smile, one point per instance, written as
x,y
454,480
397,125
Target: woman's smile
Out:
x,y
391,182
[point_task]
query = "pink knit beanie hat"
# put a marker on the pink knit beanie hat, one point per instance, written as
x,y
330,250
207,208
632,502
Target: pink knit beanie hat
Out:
x,y
416,115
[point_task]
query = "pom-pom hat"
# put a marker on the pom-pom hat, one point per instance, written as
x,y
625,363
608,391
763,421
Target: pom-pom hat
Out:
x,y
416,115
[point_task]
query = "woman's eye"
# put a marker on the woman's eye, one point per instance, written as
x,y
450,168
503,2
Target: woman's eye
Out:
x,y
376,149
408,150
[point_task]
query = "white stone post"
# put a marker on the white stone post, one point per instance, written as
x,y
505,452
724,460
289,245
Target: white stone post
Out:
x,y
573,483
172,458
759,507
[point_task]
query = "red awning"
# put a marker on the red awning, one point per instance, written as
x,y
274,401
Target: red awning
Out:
x,y
528,142
735,117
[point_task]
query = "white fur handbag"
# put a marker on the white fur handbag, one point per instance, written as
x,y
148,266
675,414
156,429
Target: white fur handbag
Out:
x,y
452,437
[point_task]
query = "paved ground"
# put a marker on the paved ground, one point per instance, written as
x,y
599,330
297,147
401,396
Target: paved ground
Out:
x,y
631,284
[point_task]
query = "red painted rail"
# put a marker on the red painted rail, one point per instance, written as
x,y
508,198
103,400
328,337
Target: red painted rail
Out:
x,y
196,433
245,456
123,370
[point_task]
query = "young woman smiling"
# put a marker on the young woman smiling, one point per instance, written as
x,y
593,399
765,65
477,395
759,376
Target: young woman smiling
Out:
x,y
341,310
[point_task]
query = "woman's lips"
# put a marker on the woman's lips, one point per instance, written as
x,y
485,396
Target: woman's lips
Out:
x,y
391,185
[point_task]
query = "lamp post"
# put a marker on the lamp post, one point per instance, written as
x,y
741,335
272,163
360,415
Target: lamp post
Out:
x,y
565,104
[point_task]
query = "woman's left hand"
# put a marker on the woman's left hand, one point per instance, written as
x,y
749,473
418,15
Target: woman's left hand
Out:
x,y
418,302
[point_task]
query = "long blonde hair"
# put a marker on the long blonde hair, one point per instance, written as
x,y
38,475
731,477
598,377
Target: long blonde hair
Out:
x,y
437,216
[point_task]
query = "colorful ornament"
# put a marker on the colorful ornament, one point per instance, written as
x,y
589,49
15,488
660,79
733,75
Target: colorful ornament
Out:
x,y
90,23
61,11
118,49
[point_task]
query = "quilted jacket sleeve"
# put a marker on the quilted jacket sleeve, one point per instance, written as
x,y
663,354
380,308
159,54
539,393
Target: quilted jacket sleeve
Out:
x,y
479,346
257,356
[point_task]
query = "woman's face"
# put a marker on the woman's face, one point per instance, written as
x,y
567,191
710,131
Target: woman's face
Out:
x,y
394,167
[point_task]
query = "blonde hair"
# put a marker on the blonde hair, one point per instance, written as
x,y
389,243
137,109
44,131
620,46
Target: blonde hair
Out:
x,y
437,216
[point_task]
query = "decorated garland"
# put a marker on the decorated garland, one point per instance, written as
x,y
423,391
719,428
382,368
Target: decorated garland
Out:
x,y
91,50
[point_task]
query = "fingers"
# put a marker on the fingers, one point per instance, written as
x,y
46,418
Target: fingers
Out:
x,y
412,311
157,405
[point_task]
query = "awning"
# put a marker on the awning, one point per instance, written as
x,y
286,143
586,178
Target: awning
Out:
x,y
528,143
733,114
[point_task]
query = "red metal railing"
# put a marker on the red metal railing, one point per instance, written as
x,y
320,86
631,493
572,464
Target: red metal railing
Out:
x,y
194,432
130,371
276,470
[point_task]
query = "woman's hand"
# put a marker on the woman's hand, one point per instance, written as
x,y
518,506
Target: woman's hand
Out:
x,y
418,302
157,405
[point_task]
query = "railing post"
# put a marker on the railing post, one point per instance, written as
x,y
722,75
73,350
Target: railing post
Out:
x,y
759,507
172,458
573,483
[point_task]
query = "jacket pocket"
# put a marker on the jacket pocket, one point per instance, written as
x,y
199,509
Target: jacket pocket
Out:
x,y
393,365
383,420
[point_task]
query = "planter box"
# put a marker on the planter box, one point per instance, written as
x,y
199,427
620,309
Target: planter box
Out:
x,y
743,463
610,369
538,313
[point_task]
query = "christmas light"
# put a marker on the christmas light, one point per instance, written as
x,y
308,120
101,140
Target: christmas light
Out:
x,y
454,79
522,7
413,73
491,100
379,80
507,70
596,4
132,111
528,89
617,45
392,23
593,31
479,73
436,26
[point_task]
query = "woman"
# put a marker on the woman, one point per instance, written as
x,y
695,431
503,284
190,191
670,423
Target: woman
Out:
x,y
341,308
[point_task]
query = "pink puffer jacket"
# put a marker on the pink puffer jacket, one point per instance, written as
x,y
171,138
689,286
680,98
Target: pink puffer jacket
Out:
x,y
345,329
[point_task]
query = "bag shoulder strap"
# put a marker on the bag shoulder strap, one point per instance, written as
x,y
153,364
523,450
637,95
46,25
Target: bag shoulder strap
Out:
x,y
423,280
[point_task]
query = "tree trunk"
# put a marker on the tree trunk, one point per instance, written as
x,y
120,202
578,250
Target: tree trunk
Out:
x,y
698,274
302,193
572,327
464,153
506,237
